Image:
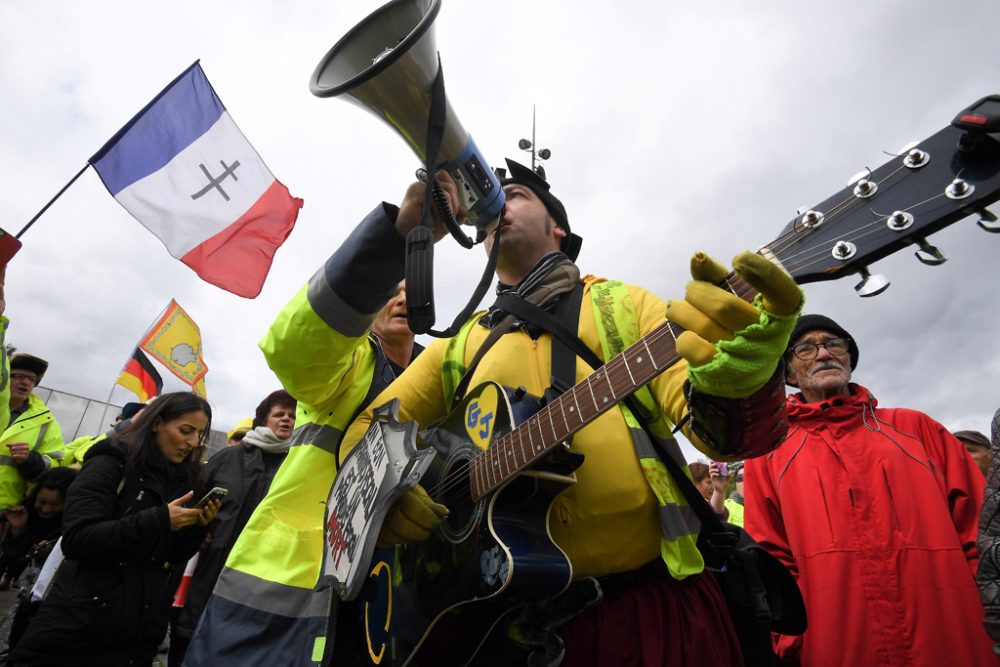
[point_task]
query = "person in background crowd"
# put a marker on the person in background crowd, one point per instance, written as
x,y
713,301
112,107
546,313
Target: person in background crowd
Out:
x,y
734,503
874,512
34,525
245,471
235,436
127,530
42,527
700,477
711,479
324,354
978,446
76,450
32,440
988,575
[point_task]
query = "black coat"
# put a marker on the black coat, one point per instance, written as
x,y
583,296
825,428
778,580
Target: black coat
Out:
x,y
246,471
110,599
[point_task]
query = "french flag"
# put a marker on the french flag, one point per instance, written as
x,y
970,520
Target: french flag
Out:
x,y
184,170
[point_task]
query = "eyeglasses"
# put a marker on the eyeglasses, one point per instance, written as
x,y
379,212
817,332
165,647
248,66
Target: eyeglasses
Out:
x,y
21,376
835,346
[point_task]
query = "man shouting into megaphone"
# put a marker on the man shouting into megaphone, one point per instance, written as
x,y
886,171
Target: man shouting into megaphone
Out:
x,y
625,522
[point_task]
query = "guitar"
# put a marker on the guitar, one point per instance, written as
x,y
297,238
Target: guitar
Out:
x,y
502,458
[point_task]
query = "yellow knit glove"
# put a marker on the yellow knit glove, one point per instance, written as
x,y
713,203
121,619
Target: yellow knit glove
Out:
x,y
412,518
733,347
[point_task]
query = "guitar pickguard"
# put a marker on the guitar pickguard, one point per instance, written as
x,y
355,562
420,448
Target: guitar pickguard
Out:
x,y
436,601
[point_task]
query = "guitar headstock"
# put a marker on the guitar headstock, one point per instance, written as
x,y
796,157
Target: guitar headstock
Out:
x,y
933,184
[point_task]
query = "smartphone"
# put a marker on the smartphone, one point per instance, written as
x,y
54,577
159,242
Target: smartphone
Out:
x,y
9,245
217,493
722,468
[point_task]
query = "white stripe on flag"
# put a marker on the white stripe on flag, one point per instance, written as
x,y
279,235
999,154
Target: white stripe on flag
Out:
x,y
163,201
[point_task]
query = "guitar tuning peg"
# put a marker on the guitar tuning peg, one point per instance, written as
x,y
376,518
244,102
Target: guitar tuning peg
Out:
x,y
988,221
871,285
928,254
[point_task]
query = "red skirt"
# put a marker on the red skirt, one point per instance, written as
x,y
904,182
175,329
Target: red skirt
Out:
x,y
664,622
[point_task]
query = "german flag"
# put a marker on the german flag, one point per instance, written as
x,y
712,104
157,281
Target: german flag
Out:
x,y
140,377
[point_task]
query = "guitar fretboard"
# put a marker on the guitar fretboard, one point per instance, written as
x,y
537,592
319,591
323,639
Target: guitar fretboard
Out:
x,y
617,379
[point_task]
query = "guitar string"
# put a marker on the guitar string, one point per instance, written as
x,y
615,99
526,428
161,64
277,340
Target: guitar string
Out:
x,y
815,254
796,235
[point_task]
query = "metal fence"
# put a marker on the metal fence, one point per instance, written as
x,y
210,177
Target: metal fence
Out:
x,y
78,416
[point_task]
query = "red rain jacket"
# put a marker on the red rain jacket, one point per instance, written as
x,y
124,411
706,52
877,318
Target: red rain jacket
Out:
x,y
875,512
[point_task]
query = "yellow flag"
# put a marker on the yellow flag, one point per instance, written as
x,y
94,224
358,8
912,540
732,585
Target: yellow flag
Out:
x,y
175,341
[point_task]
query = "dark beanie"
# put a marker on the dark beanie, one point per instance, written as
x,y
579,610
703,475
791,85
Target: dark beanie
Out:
x,y
975,437
521,175
807,323
29,362
129,410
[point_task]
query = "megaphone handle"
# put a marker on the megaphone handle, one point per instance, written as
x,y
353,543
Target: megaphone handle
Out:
x,y
420,279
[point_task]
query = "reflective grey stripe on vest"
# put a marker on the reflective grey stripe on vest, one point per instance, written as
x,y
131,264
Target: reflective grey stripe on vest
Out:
x,y
6,461
323,436
330,308
41,436
644,448
271,597
677,521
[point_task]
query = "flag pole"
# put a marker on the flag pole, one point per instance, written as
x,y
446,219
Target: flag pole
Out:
x,y
150,328
52,201
107,404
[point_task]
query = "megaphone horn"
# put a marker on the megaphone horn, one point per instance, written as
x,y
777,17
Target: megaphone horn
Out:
x,y
387,64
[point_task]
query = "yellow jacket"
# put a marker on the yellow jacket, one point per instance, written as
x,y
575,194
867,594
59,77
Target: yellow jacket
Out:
x,y
38,427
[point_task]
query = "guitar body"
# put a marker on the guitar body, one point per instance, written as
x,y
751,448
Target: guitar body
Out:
x,y
435,602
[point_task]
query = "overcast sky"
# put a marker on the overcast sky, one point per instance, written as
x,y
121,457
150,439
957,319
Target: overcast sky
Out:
x,y
673,127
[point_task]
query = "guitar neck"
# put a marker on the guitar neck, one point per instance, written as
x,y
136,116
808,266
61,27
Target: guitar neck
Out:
x,y
612,383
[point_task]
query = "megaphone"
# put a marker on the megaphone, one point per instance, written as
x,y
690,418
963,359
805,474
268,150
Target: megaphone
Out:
x,y
387,64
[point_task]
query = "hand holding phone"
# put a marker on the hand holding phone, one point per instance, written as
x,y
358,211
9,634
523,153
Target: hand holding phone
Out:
x,y
217,493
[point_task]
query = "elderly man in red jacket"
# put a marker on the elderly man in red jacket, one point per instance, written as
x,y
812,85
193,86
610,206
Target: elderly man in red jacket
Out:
x,y
874,510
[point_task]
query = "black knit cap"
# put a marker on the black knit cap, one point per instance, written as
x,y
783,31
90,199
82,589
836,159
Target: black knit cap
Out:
x,y
29,362
129,410
816,322
521,175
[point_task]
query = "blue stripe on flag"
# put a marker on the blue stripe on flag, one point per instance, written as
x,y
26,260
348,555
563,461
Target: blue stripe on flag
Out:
x,y
182,112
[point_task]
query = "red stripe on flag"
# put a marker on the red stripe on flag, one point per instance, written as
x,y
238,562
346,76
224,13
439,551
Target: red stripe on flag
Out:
x,y
238,258
145,380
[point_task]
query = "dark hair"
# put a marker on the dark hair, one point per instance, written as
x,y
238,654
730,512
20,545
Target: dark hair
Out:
x,y
280,397
166,408
57,479
699,471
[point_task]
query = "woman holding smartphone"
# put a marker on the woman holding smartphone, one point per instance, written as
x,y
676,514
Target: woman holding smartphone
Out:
x,y
126,536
